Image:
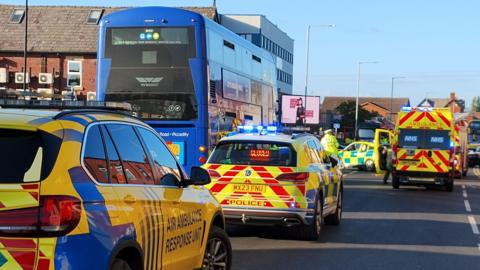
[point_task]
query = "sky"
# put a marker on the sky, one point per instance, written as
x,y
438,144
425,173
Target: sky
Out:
x,y
435,44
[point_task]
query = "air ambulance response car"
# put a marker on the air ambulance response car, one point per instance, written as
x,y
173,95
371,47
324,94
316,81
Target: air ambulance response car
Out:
x,y
424,147
97,189
261,177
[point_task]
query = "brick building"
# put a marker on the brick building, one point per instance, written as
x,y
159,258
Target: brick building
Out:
x,y
329,114
62,41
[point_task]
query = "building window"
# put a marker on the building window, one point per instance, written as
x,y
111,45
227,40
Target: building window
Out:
x,y
256,58
229,44
17,15
74,74
94,16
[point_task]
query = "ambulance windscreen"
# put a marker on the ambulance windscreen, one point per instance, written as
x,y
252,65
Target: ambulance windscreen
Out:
x,y
424,139
254,153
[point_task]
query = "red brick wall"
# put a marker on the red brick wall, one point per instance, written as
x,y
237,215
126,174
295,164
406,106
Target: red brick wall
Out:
x,y
54,63
372,108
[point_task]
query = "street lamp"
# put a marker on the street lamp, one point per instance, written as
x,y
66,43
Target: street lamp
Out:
x,y
358,91
391,94
307,62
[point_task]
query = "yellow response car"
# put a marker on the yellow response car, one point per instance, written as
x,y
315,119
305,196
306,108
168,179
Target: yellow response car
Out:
x,y
92,189
359,155
269,178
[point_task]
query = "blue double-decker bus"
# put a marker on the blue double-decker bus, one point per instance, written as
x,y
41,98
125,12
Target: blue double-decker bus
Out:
x,y
187,76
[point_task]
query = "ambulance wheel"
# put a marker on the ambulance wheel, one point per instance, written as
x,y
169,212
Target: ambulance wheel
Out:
x,y
369,165
395,181
218,253
312,231
119,264
335,218
449,184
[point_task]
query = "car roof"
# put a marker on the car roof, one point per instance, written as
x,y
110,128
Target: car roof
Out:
x,y
33,118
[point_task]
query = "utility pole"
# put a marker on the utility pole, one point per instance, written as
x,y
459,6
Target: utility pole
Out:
x,y
307,58
358,92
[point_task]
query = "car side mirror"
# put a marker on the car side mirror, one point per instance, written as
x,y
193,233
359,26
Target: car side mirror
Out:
x,y
199,177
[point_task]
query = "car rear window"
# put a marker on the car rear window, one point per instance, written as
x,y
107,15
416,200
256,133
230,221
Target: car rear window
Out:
x,y
254,153
26,156
424,139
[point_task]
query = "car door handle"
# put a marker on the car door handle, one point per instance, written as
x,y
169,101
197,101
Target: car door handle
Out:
x,y
130,199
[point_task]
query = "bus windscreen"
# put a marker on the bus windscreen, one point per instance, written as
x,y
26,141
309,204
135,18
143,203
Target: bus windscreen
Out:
x,y
150,69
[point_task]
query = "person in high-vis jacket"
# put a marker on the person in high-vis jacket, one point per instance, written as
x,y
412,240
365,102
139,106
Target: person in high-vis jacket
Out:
x,y
330,143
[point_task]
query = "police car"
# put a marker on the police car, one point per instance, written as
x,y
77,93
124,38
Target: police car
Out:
x,y
97,189
262,177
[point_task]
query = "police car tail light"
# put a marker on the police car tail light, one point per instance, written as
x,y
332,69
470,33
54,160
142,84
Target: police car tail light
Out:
x,y
56,216
294,177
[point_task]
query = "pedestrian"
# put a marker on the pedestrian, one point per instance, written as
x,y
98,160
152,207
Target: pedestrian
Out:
x,y
330,143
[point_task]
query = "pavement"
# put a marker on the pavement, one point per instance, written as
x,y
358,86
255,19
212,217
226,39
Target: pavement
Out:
x,y
382,228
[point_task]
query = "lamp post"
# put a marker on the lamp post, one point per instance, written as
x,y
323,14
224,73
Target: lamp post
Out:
x,y
391,94
358,91
309,27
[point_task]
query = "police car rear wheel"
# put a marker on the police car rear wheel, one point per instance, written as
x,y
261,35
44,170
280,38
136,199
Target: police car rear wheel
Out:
x,y
218,254
312,231
335,218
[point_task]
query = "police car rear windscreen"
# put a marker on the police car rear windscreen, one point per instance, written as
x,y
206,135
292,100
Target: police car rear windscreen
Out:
x,y
26,156
254,153
424,139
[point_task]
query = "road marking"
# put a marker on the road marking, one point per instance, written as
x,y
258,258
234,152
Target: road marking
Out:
x,y
473,224
465,194
463,186
467,206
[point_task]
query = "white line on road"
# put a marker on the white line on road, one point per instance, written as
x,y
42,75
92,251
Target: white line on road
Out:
x,y
463,186
467,206
473,224
465,194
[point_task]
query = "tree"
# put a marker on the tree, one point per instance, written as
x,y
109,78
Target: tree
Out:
x,y
475,104
347,110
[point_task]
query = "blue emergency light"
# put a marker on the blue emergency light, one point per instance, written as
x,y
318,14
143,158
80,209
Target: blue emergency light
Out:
x,y
258,129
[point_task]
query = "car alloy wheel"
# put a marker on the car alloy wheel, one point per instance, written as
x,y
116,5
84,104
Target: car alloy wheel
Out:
x,y
216,255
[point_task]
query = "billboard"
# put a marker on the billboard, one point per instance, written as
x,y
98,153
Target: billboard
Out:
x,y
293,110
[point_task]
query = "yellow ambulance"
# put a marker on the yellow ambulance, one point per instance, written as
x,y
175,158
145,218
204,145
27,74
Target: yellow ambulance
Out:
x,y
424,147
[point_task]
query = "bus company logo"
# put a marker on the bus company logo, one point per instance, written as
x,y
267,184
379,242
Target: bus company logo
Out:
x,y
149,81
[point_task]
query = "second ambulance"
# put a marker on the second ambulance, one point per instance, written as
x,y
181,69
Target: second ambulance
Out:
x,y
424,147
